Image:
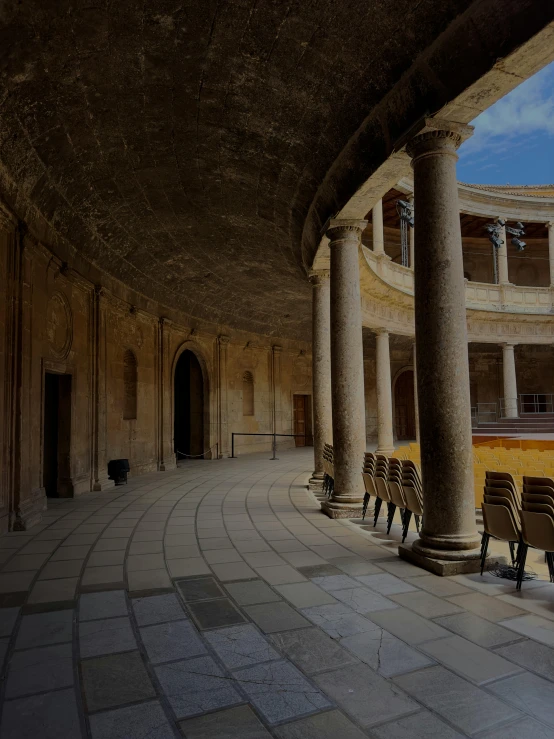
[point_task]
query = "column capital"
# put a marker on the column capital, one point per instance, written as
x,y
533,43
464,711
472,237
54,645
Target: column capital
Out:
x,y
317,276
381,331
339,228
277,349
223,339
438,137
508,344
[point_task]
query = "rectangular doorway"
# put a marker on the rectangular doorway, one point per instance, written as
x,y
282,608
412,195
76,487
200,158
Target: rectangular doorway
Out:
x,y
56,471
303,420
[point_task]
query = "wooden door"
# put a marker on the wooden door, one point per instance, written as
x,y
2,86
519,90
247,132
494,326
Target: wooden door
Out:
x,y
404,406
302,407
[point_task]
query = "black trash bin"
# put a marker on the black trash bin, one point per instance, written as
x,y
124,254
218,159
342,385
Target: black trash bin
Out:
x,y
118,469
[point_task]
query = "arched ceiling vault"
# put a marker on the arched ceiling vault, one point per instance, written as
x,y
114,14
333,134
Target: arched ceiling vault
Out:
x,y
193,151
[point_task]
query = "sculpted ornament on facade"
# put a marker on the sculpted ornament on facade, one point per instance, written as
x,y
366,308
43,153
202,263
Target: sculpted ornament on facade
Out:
x,y
59,325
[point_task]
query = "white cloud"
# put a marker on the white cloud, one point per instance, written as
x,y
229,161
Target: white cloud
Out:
x,y
515,120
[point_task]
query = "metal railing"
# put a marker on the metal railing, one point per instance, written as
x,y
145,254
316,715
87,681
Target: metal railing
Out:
x,y
484,413
536,403
274,441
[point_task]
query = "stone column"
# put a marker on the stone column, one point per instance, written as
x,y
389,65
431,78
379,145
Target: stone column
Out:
x,y
412,235
347,369
101,480
510,381
161,394
502,255
378,232
416,405
551,251
385,439
449,541
276,388
223,430
321,369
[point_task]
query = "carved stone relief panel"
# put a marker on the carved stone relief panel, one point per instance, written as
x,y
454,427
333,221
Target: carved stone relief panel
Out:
x,y
59,325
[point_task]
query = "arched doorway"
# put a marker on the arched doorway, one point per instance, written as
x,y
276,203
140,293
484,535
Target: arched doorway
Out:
x,y
404,406
188,411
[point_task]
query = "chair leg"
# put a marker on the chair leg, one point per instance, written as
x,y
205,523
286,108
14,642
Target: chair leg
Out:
x,y
484,549
407,518
366,503
392,511
378,504
417,523
521,567
512,551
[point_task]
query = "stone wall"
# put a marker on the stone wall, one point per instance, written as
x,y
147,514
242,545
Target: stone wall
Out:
x,y
52,320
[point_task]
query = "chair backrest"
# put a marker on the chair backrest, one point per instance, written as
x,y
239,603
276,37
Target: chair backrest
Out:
x,y
536,498
538,508
538,530
413,500
539,490
499,522
369,483
396,494
506,502
382,489
507,476
548,481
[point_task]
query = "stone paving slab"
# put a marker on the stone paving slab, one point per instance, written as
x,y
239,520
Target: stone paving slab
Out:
x,y
263,623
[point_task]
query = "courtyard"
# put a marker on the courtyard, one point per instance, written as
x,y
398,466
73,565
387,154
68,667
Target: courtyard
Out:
x,y
217,600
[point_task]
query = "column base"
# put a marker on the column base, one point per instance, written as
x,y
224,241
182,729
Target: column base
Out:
x,y
103,483
334,509
315,483
444,563
388,452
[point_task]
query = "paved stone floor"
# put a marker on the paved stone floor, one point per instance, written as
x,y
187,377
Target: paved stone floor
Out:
x,y
216,601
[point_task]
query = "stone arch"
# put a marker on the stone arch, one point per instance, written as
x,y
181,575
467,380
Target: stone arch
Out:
x,y
190,406
130,385
248,394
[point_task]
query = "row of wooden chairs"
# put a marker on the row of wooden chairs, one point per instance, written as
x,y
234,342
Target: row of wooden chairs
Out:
x,y
394,482
523,520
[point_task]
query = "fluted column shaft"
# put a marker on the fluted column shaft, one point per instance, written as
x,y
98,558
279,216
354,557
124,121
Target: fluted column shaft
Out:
x,y
449,530
321,368
510,381
385,439
347,372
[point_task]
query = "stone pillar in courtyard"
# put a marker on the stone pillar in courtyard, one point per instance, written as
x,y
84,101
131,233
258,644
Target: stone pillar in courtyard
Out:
x,y
385,439
550,227
449,541
416,406
321,370
378,230
347,370
510,381
502,254
412,235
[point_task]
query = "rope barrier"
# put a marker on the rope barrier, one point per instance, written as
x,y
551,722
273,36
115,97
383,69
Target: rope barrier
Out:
x,y
196,456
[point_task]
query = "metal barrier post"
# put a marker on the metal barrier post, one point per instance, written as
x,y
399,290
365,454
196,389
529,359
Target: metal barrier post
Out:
x,y
274,447
233,446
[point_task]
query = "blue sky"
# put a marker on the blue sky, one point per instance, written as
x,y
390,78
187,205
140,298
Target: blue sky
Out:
x,y
513,141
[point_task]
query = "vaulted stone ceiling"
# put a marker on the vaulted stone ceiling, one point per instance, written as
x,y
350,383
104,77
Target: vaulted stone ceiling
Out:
x,y
178,146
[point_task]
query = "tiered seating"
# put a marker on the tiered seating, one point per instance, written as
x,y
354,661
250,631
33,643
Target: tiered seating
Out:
x,y
515,456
